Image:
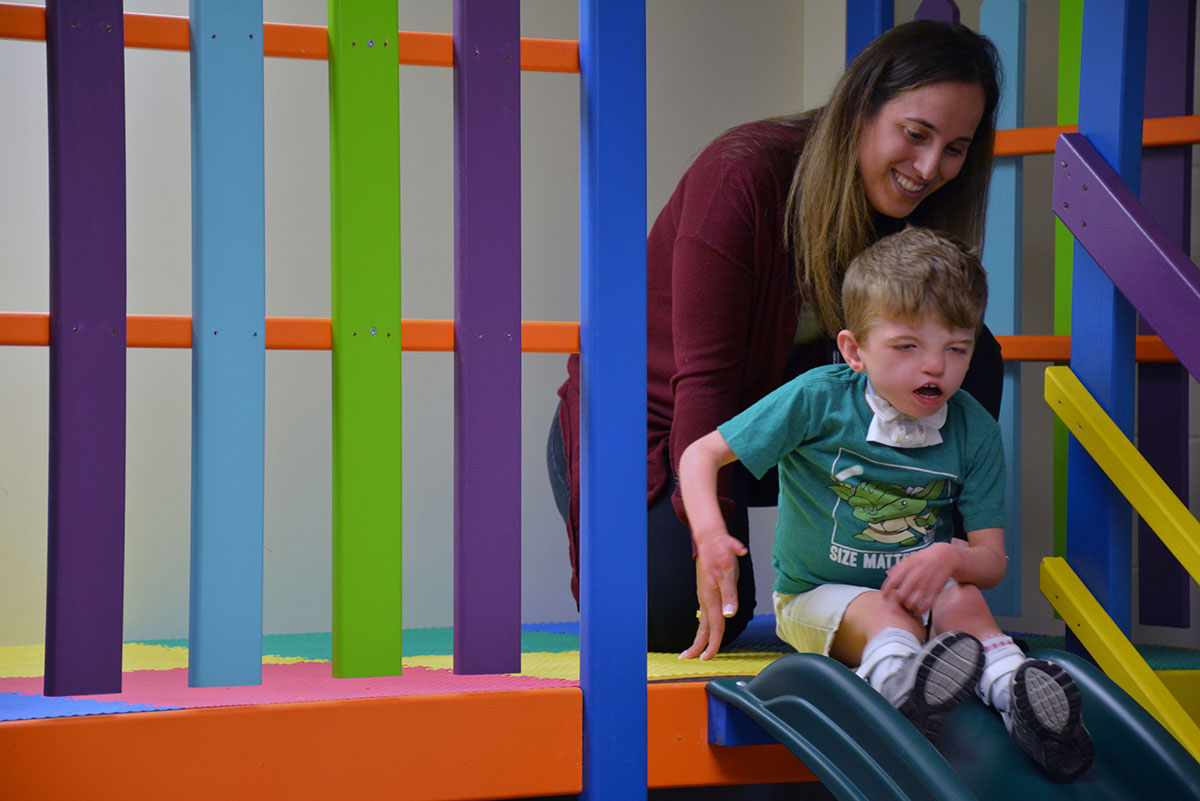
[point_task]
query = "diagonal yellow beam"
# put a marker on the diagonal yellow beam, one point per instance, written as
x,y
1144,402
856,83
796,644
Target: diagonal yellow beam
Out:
x,y
1119,459
1113,652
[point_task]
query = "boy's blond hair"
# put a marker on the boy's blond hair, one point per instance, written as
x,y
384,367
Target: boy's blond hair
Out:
x,y
911,274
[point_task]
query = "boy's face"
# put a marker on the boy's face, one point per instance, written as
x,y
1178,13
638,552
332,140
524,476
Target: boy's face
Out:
x,y
916,367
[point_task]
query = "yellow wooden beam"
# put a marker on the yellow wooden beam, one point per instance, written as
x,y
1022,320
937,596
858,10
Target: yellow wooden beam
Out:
x,y
1185,686
1129,471
1113,652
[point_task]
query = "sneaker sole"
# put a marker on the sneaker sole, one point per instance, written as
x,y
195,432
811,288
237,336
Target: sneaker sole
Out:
x,y
947,671
1047,722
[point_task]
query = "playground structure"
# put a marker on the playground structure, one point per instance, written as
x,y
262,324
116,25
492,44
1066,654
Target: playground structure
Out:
x,y
366,335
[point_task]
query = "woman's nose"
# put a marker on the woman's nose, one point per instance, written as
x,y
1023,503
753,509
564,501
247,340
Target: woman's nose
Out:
x,y
926,164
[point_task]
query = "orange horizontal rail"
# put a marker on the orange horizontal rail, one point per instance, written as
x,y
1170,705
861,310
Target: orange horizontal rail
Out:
x,y
1156,132
283,40
288,333
286,40
1037,348
537,336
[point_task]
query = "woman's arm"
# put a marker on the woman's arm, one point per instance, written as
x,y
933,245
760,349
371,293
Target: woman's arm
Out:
x,y
732,306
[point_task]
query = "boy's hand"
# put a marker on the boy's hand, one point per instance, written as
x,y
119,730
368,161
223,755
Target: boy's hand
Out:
x,y
716,551
916,580
716,589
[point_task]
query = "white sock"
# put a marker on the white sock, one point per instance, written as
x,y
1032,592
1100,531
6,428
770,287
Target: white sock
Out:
x,y
1002,657
885,653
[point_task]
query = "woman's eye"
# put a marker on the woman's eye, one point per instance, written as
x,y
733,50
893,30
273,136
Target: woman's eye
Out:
x,y
915,136
956,151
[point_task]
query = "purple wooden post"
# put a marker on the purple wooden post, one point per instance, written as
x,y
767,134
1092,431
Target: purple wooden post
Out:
x,y
85,65
487,336
940,10
1164,585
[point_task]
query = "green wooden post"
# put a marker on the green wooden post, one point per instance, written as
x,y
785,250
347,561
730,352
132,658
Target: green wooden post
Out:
x,y
364,161
1070,38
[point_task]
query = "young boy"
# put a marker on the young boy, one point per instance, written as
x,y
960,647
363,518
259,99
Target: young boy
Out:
x,y
875,457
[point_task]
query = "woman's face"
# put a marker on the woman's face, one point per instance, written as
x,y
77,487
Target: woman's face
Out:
x,y
916,143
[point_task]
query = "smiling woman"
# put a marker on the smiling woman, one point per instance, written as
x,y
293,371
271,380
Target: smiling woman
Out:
x,y
745,267
916,144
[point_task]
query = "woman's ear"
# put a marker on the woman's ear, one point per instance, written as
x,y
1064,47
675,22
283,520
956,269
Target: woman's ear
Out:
x,y
849,346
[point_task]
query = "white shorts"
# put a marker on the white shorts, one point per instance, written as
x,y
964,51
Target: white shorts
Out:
x,y
807,621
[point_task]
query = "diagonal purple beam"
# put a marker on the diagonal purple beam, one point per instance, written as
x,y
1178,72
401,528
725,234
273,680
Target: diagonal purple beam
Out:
x,y
1138,256
85,65
487,336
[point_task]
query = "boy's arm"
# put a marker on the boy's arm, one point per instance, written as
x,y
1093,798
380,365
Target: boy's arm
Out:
x,y
917,579
716,550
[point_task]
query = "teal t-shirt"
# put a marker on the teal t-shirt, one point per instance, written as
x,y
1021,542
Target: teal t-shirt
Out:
x,y
850,509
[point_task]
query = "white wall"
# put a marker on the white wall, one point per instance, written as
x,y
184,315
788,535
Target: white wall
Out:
x,y
711,64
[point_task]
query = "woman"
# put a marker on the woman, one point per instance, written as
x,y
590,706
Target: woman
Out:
x,y
745,265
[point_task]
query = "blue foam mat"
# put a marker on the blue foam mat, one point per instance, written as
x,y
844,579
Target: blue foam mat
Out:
x,y
18,706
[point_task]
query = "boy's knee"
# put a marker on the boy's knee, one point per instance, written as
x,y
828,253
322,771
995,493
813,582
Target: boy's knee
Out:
x,y
890,614
961,602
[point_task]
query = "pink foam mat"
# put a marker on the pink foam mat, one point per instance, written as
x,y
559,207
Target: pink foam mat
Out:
x,y
295,683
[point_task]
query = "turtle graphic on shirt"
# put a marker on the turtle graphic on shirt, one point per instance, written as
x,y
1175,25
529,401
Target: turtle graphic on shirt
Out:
x,y
893,514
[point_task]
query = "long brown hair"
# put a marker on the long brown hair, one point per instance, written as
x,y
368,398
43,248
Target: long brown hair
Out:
x,y
828,218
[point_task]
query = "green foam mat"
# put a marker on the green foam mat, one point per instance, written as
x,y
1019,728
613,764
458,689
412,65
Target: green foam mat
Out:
x,y
416,642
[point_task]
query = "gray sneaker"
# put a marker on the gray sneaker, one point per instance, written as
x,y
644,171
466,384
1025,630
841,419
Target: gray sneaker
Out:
x,y
1045,719
935,680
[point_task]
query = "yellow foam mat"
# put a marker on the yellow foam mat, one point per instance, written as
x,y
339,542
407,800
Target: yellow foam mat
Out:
x,y
28,661
565,665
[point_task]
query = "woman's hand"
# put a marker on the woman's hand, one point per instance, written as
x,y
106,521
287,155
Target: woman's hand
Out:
x,y
916,580
716,589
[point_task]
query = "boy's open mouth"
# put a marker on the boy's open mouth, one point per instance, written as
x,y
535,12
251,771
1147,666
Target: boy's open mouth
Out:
x,y
929,391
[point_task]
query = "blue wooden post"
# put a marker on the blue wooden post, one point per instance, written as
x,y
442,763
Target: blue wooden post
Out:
x,y
1003,21
1112,84
228,350
612,65
866,19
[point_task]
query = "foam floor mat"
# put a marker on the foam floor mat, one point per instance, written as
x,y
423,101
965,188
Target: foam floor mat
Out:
x,y
297,668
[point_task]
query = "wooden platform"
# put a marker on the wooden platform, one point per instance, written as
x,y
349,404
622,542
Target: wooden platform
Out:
x,y
424,748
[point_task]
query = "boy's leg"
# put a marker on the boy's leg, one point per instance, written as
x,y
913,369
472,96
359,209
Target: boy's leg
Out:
x,y
932,682
924,682
1044,717
1002,658
1038,700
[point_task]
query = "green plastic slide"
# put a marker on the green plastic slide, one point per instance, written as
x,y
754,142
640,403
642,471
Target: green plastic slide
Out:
x,y
863,750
